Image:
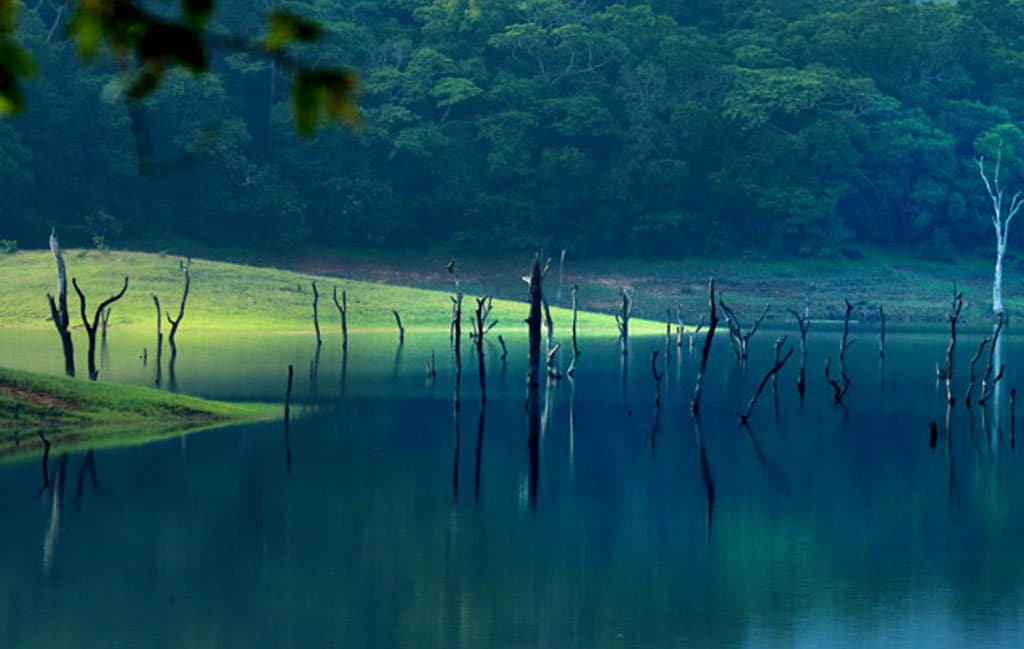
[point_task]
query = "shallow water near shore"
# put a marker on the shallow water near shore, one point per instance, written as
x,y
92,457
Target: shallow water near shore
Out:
x,y
385,517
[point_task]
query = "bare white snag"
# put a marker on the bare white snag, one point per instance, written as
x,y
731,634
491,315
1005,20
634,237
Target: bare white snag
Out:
x,y
1002,215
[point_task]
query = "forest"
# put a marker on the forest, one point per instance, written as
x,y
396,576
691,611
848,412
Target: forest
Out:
x,y
775,127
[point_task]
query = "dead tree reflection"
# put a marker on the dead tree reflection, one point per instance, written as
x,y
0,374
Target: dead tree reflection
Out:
x,y
53,528
706,479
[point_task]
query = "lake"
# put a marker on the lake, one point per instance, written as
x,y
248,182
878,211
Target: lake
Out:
x,y
387,518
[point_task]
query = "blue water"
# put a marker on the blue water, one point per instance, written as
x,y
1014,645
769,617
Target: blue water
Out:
x,y
818,526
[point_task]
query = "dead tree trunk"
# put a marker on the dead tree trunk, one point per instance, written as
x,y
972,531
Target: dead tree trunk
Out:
x,y
740,341
401,329
696,331
533,321
551,364
575,346
481,327
91,327
622,320
456,325
59,307
972,376
953,316
1002,215
343,312
316,314
159,341
779,342
680,328
842,384
779,364
549,324
989,382
706,351
175,322
804,323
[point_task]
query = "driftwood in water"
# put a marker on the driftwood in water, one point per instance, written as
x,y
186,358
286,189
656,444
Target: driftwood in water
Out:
x,y
622,319
175,322
59,307
401,329
343,312
990,380
91,327
842,384
881,335
804,323
740,340
706,350
954,317
159,341
533,321
316,314
779,364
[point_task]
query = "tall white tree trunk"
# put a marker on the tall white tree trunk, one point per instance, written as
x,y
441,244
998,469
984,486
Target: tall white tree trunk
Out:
x,y
997,280
1002,215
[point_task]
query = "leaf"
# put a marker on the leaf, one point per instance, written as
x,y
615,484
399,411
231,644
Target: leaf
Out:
x,y
86,27
196,12
325,95
286,27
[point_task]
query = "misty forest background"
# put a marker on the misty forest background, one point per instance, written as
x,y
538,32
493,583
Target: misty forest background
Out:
x,y
660,128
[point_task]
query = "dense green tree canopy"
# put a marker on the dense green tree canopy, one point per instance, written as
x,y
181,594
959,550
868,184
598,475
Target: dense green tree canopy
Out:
x,y
605,127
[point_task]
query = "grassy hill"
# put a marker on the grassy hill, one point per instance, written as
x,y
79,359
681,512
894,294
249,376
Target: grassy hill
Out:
x,y
233,297
74,412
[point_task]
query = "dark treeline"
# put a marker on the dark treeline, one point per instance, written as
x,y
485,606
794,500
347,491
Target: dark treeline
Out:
x,y
658,127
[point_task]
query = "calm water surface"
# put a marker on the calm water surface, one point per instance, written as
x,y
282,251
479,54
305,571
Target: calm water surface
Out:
x,y
406,523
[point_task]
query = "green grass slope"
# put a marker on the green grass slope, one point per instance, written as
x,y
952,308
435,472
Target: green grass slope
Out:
x,y
75,412
233,297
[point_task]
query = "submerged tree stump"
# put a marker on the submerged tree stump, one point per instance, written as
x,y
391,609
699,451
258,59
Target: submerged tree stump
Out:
x,y
59,307
92,326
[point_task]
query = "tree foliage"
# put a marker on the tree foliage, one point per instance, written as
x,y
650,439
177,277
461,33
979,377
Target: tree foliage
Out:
x,y
606,127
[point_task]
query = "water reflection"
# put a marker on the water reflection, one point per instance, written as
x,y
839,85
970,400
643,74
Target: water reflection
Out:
x,y
789,533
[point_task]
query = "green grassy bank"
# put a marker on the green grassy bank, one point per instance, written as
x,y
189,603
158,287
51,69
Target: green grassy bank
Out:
x,y
79,413
233,297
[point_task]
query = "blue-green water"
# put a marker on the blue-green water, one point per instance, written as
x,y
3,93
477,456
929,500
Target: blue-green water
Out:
x,y
401,524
